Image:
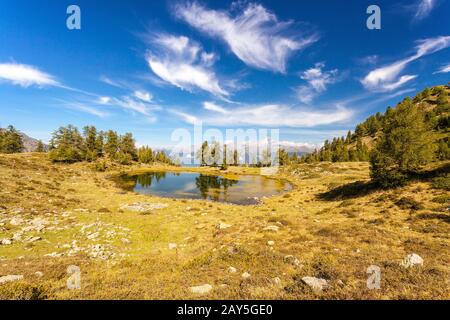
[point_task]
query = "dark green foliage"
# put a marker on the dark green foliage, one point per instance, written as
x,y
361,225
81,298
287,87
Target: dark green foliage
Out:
x,y
442,182
40,147
145,155
404,146
10,140
409,203
111,146
68,145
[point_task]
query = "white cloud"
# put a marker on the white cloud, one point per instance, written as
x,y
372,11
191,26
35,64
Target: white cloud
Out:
x,y
444,69
104,100
184,64
143,95
255,35
317,79
423,9
26,75
388,78
214,107
271,115
84,108
185,116
134,105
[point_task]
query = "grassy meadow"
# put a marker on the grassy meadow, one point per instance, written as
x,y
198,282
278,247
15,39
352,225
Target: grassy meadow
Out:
x,y
333,225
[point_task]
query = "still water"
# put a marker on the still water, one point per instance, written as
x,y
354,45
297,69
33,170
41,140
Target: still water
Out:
x,y
247,189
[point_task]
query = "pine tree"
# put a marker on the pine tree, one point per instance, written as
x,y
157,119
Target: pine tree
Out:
x,y
11,141
404,146
40,147
127,146
145,155
68,145
111,146
235,158
90,138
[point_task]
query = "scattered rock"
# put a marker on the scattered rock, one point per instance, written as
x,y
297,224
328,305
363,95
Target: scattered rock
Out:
x,y
172,246
232,270
223,226
292,260
16,221
39,274
272,228
32,239
203,289
6,242
270,243
276,281
316,284
246,275
93,236
412,260
143,206
53,255
10,278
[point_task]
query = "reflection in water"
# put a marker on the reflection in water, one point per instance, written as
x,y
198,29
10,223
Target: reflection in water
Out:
x,y
247,190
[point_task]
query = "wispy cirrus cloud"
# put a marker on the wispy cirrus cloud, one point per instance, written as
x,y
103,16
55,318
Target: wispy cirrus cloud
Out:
x,y
270,115
423,9
254,35
143,95
388,78
26,75
317,79
444,69
182,62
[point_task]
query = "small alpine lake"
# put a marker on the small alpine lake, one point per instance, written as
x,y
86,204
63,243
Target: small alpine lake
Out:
x,y
240,189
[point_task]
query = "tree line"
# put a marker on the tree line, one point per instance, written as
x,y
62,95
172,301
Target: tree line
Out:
x,y
70,145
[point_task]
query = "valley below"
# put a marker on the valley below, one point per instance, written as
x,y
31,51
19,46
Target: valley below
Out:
x,y
316,241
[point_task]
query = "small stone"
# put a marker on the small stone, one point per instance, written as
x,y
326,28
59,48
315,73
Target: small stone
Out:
x,y
292,260
39,274
33,239
246,275
223,226
270,243
272,228
10,278
125,240
6,242
412,260
203,289
172,246
232,270
92,236
16,221
276,281
316,284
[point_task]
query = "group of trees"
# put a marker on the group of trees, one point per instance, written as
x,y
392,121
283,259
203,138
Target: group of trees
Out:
x,y
213,154
404,138
69,145
10,140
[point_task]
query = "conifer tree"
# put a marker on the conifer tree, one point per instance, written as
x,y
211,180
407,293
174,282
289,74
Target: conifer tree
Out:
x,y
405,145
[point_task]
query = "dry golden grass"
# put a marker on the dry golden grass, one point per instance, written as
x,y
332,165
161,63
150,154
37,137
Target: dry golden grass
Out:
x,y
335,236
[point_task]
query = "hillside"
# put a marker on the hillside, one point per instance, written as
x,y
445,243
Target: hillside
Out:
x,y
356,145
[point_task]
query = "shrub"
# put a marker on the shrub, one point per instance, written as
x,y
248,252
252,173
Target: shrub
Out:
x,y
123,158
442,182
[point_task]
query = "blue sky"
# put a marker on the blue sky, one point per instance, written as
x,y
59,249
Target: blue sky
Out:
x,y
310,68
